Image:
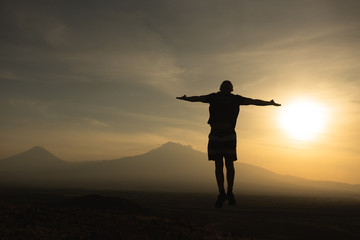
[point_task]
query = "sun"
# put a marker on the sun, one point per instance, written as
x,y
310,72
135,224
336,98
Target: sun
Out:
x,y
303,119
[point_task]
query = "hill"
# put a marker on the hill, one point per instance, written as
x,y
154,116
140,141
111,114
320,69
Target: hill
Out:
x,y
34,159
171,167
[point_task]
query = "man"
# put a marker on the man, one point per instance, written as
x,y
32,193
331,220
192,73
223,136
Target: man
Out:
x,y
224,110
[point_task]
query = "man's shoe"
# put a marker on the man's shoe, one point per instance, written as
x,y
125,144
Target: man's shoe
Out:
x,y
231,198
220,200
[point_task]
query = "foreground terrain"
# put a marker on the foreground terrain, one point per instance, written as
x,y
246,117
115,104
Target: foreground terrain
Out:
x,y
79,214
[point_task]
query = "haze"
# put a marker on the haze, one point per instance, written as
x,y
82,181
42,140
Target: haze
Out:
x,y
96,80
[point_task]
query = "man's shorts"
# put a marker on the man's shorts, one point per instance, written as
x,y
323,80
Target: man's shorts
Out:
x,y
222,144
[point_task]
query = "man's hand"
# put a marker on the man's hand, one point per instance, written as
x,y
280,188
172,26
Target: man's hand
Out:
x,y
181,98
274,103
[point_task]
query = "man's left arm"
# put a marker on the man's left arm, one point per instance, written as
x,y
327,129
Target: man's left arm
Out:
x,y
258,102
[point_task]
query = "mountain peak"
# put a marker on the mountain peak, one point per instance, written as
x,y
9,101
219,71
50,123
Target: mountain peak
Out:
x,y
36,157
37,146
172,146
37,149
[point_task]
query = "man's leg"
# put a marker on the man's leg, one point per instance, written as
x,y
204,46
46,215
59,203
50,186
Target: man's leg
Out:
x,y
219,173
230,175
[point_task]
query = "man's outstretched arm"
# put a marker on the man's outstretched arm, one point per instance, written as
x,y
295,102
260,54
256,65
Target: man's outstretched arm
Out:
x,y
259,102
193,98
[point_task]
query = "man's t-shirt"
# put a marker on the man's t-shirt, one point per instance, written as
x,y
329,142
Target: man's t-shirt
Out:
x,y
224,109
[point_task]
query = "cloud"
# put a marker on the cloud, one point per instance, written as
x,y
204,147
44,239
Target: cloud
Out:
x,y
171,47
110,71
95,122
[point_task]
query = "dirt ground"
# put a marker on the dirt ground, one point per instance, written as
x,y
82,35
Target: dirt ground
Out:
x,y
79,214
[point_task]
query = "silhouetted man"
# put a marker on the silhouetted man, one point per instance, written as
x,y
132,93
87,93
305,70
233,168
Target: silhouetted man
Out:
x,y
224,110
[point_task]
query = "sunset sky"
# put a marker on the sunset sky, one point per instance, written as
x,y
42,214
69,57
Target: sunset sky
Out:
x,y
95,80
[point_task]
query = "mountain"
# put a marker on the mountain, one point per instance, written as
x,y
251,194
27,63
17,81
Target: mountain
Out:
x,y
34,159
170,167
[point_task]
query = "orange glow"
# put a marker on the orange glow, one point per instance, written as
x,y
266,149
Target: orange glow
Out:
x,y
303,119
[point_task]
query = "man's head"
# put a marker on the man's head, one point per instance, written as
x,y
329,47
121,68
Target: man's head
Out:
x,y
226,86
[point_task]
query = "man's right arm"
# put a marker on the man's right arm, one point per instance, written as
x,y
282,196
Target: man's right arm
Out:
x,y
257,102
193,98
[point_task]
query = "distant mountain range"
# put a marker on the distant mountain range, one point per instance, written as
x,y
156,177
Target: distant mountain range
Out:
x,y
34,159
171,167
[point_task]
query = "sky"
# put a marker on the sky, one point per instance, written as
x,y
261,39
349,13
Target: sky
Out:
x,y
97,80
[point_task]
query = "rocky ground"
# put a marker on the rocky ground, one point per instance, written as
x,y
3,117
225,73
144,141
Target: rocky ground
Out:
x,y
92,217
